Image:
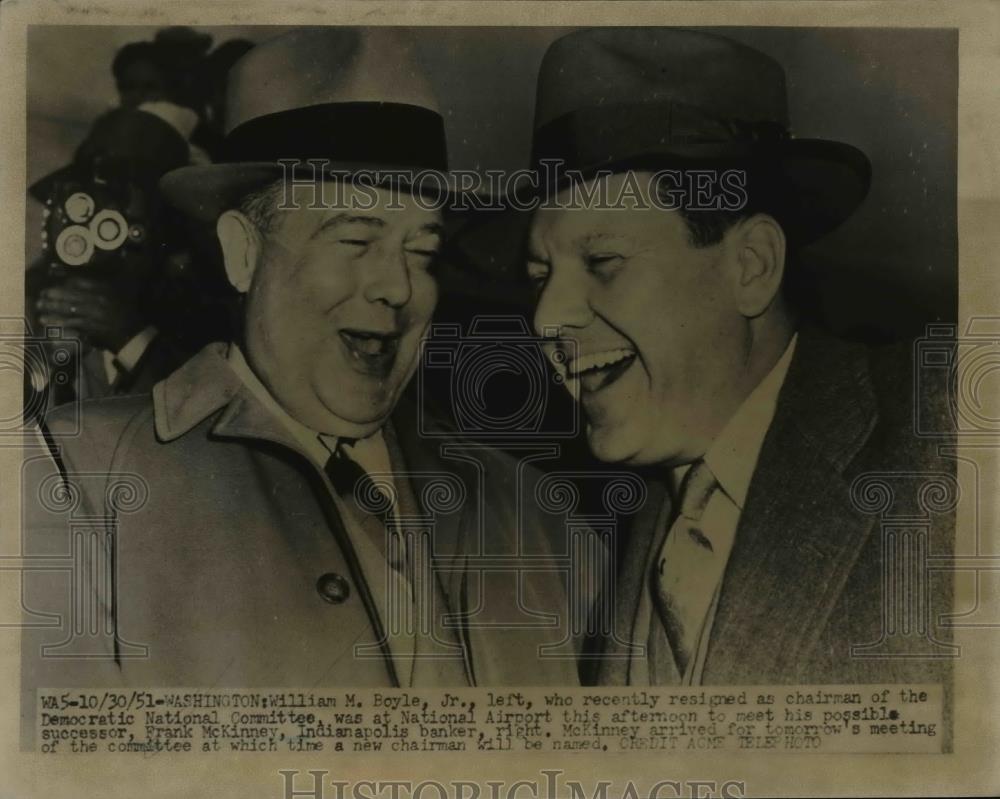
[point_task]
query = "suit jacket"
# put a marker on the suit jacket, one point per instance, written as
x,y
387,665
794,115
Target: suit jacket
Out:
x,y
158,361
804,581
161,357
224,527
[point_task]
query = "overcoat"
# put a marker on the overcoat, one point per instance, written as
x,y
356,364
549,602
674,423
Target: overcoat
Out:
x,y
811,591
221,530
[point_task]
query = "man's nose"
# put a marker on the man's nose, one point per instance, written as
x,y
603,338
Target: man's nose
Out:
x,y
388,279
563,303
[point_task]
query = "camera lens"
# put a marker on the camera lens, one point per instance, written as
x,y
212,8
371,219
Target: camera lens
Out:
x,y
110,229
79,206
74,246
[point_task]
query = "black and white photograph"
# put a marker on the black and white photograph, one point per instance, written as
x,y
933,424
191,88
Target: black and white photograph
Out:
x,y
396,391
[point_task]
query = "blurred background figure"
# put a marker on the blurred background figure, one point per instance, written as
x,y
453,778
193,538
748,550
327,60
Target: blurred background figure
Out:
x,y
176,77
140,287
215,74
104,278
140,74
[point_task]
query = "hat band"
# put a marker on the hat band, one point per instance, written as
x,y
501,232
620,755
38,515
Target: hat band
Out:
x,y
406,136
595,136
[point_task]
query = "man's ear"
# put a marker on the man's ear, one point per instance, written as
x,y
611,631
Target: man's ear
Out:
x,y
761,256
241,245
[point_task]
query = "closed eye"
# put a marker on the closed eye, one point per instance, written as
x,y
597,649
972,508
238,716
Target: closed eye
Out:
x,y
538,272
604,266
423,258
602,259
425,247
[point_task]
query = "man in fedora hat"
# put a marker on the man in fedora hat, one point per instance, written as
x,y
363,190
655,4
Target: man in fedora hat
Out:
x,y
293,529
754,561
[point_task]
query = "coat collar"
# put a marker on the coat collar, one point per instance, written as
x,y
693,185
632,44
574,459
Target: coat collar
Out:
x,y
798,535
829,396
206,386
194,392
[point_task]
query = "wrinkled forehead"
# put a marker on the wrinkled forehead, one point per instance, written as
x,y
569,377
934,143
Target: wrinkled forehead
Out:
x,y
620,191
602,208
318,202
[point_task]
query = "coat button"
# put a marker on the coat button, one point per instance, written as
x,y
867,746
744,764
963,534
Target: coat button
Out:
x,y
333,588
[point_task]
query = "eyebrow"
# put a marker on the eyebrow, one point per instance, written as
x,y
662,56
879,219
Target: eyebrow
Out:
x,y
590,238
586,240
432,227
344,218
374,222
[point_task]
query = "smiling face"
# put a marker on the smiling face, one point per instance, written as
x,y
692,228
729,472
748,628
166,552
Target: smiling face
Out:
x,y
337,305
660,341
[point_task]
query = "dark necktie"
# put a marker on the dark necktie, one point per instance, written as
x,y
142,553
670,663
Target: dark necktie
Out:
x,y
368,503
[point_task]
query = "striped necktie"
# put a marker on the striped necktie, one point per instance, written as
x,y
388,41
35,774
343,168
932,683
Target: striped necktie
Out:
x,y
674,628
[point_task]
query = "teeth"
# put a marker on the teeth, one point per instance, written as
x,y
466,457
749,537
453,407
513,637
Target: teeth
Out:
x,y
369,346
573,372
597,360
365,344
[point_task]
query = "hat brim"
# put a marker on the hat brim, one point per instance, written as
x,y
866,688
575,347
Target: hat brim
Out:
x,y
824,182
816,183
42,188
204,192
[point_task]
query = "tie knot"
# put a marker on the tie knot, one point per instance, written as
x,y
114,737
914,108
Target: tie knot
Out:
x,y
350,479
344,472
696,489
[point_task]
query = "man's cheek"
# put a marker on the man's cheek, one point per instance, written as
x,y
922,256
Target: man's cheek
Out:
x,y
425,297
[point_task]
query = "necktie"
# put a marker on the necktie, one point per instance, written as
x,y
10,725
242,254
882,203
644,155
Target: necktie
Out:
x,y
676,622
352,482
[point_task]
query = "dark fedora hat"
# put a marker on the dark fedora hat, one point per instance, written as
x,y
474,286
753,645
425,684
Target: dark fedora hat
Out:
x,y
124,142
352,98
617,98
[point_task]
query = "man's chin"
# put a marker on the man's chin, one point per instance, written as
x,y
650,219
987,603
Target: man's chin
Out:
x,y
361,414
610,444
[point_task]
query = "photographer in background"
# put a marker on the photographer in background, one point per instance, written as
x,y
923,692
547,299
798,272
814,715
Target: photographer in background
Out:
x,y
105,278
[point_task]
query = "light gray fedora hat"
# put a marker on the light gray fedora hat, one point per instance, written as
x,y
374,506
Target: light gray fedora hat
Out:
x,y
354,98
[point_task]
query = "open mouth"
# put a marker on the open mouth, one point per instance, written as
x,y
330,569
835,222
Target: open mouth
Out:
x,y
596,370
372,352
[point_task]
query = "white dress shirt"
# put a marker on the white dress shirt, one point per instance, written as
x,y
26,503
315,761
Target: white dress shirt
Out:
x,y
732,458
128,356
372,454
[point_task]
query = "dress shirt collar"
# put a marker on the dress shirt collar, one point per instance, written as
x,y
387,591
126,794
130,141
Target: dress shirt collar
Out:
x,y
370,453
128,357
732,456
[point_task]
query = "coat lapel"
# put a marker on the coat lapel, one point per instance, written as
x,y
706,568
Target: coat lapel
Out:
x,y
799,535
421,455
646,531
206,385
